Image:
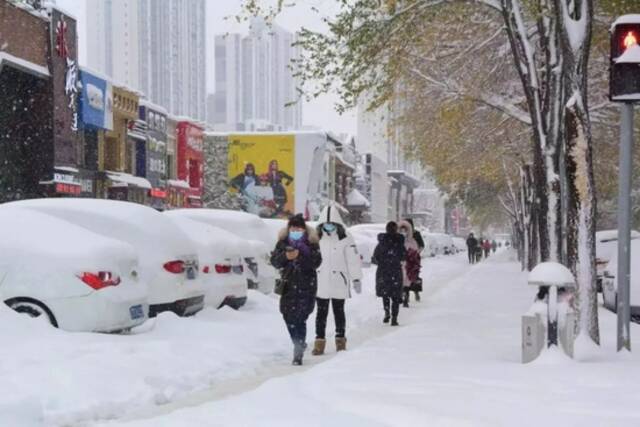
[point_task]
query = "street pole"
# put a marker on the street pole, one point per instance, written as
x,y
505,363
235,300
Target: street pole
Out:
x,y
624,227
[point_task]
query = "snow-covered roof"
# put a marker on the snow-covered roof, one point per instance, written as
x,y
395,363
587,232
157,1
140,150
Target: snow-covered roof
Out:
x,y
356,198
626,19
30,67
551,273
128,179
178,183
144,102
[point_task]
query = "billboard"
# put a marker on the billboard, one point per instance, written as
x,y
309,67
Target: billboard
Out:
x,y
262,170
96,102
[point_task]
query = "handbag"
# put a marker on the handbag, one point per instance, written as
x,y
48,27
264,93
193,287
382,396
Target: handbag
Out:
x,y
416,286
279,288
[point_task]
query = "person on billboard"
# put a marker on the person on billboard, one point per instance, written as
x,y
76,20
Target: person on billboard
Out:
x,y
341,268
245,179
297,256
276,177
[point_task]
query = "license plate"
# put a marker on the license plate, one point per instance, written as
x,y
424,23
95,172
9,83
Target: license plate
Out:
x,y
191,273
136,312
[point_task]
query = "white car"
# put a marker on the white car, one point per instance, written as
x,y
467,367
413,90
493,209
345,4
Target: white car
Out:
x,y
79,280
222,271
168,259
250,228
606,246
459,244
610,281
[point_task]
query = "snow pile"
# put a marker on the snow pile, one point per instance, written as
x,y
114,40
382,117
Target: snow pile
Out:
x,y
457,363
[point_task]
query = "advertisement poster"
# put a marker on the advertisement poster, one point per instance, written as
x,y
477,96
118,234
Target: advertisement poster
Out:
x,y
262,169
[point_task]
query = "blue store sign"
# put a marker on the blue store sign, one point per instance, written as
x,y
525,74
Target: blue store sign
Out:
x,y
96,102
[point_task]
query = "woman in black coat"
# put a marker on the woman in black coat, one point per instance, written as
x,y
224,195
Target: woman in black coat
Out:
x,y
297,256
389,256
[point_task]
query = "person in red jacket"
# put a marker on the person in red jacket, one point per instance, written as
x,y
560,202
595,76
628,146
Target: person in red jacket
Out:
x,y
411,271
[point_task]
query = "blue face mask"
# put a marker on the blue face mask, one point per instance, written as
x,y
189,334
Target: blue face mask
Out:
x,y
296,235
329,228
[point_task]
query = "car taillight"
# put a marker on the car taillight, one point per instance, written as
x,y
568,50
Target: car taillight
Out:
x,y
206,269
223,268
175,267
101,280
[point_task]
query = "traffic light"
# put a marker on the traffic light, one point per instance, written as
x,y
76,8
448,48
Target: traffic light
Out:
x,y
625,59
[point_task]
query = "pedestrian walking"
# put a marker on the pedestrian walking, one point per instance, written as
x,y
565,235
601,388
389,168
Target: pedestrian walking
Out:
x,y
389,255
486,246
494,246
341,267
297,257
472,247
417,288
411,270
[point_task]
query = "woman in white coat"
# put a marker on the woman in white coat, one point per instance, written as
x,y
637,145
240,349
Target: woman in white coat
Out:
x,y
341,267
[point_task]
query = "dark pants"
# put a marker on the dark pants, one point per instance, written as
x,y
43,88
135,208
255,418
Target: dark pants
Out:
x,y
297,331
472,255
323,312
393,304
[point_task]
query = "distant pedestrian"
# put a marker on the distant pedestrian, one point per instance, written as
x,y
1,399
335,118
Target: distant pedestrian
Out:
x,y
472,247
341,267
486,247
411,270
389,255
421,247
297,256
494,246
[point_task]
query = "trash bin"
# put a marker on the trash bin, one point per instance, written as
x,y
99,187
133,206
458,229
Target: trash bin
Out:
x,y
533,337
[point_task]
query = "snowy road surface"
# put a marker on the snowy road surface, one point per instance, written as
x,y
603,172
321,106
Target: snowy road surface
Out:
x,y
454,362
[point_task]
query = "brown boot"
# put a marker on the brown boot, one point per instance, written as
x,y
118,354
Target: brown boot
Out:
x,y
341,343
318,347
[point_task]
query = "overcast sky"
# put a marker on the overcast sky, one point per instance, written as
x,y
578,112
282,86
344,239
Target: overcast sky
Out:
x,y
318,113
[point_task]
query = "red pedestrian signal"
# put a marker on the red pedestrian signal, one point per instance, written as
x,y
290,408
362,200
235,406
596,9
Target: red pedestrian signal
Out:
x,y
624,85
630,40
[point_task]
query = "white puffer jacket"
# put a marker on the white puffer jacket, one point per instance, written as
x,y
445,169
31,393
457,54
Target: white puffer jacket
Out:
x,y
341,263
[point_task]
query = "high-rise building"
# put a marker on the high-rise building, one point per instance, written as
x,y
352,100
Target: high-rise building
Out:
x,y
112,42
255,87
155,46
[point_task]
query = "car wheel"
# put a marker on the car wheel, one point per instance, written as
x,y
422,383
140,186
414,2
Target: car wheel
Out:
x,y
32,308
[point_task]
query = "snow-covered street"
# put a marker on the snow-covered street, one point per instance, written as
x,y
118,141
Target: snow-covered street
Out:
x,y
454,362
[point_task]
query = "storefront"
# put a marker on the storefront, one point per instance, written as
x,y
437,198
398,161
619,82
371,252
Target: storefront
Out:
x,y
190,161
117,156
155,152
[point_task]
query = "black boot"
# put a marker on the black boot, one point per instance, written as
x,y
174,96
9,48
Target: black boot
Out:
x,y
417,296
405,298
298,352
394,322
387,316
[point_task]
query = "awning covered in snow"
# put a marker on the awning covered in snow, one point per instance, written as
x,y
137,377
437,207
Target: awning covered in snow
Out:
x,y
22,64
356,198
128,179
178,183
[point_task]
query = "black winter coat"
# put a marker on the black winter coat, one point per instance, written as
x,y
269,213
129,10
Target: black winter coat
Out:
x,y
388,256
301,281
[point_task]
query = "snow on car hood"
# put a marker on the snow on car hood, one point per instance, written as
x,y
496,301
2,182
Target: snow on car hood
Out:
x,y
156,238
30,237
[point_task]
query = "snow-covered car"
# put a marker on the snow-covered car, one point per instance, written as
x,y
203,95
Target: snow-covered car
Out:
x,y
250,228
168,258
80,281
606,246
222,271
610,281
459,244
366,237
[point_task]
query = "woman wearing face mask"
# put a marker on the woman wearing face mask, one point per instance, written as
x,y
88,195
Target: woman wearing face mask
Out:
x,y
411,270
341,267
297,256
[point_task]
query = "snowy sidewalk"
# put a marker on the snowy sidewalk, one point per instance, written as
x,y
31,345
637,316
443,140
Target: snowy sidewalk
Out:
x,y
454,362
